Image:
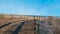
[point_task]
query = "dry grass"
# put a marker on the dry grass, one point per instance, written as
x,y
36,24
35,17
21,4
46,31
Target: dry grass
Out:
x,y
8,18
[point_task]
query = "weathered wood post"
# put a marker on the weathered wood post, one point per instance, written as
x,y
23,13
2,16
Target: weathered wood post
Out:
x,y
39,18
38,31
36,26
27,17
1,16
11,17
50,19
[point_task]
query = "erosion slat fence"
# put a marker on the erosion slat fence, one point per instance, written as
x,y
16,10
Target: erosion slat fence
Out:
x,y
55,21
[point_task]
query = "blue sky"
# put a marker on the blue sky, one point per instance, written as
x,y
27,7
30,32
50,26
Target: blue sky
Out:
x,y
30,7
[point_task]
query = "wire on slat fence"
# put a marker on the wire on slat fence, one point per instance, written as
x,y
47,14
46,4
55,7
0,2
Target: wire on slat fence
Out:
x,y
55,21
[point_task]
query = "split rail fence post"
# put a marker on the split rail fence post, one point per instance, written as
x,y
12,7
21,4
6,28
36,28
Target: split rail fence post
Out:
x,y
1,16
35,27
